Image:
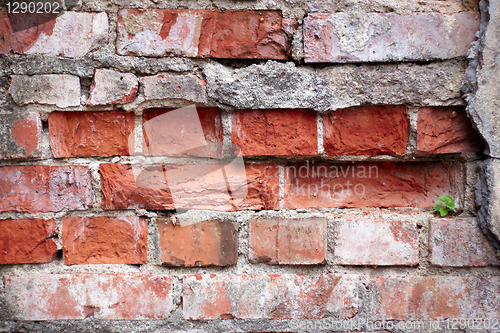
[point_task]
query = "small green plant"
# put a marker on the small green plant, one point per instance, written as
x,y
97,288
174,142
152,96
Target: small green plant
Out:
x,y
445,205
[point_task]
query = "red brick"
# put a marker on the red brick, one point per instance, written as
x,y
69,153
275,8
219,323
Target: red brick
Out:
x,y
376,242
80,296
288,241
376,130
194,243
275,132
163,86
53,89
433,297
70,34
27,241
443,130
112,87
183,132
104,240
381,37
270,296
99,133
190,186
236,34
45,188
22,135
329,185
459,242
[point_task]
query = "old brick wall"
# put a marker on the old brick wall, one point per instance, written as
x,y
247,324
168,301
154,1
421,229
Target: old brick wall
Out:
x,y
243,166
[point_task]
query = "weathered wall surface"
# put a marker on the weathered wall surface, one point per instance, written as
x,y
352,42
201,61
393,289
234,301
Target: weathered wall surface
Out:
x,y
293,190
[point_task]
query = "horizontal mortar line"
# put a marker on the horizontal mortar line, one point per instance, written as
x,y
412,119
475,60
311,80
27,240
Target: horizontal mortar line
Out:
x,y
365,272
151,160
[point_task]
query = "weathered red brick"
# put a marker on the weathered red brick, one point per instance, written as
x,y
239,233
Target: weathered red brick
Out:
x,y
288,241
375,130
45,188
195,243
112,87
204,33
190,186
381,37
70,34
183,132
376,242
433,297
54,89
270,296
446,130
163,86
275,132
104,240
26,241
22,135
80,296
459,242
101,133
329,185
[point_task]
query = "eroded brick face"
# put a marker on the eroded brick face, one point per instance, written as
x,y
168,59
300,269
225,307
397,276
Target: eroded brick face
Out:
x,y
104,240
25,241
376,242
432,297
103,133
34,189
379,37
112,87
204,33
459,242
80,296
271,296
71,35
21,135
195,243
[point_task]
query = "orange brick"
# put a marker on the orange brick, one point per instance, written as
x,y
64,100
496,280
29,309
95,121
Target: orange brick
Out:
x,y
375,130
333,185
275,132
182,132
26,241
105,133
288,241
191,243
446,130
104,240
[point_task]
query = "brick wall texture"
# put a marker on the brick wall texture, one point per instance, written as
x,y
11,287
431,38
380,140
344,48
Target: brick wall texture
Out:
x,y
242,167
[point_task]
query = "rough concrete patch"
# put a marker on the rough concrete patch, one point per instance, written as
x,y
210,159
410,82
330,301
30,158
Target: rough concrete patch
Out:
x,y
283,85
488,199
